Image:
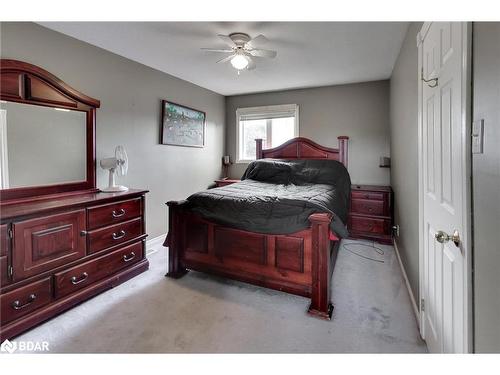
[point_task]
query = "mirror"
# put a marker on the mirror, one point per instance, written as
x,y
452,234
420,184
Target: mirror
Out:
x,y
41,145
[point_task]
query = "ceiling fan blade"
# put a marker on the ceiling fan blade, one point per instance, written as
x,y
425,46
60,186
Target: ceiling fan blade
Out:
x,y
227,40
251,64
259,39
217,50
263,53
225,59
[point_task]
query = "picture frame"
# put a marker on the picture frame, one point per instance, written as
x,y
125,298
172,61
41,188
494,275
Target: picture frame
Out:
x,y
182,125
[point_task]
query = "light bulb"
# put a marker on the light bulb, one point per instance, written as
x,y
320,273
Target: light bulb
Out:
x,y
239,62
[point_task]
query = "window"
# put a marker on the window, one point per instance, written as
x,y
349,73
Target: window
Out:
x,y
274,124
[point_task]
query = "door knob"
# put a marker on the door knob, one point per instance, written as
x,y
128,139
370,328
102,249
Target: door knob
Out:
x,y
443,237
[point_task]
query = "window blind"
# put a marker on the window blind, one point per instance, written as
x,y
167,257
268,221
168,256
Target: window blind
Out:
x,y
271,113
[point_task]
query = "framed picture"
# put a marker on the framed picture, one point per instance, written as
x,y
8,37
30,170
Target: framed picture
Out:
x,y
181,125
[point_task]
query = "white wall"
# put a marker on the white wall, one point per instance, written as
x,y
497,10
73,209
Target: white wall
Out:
x,y
130,95
360,111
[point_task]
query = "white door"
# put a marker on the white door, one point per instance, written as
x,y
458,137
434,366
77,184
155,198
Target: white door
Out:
x,y
444,186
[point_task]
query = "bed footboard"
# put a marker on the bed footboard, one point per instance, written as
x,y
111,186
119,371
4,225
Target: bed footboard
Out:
x,y
324,254
174,240
298,263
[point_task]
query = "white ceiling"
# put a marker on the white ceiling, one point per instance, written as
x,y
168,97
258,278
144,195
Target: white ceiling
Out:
x,y
309,53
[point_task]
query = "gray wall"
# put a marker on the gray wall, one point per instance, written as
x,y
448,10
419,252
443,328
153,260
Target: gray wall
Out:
x,y
404,171
130,95
360,111
486,188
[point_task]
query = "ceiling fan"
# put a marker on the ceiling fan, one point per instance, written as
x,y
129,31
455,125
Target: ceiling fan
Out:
x,y
242,50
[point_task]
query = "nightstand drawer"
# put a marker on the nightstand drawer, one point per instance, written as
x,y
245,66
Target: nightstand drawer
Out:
x,y
365,206
367,195
366,224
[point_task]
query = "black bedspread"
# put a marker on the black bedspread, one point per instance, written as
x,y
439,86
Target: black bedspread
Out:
x,y
278,197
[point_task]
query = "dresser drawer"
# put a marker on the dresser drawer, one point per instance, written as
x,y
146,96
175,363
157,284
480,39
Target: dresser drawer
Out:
x,y
80,276
113,213
366,206
23,300
367,195
112,235
369,225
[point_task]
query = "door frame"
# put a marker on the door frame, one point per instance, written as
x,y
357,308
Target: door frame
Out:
x,y
466,237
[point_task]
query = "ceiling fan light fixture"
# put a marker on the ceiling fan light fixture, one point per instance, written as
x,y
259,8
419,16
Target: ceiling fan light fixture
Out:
x,y
239,62
242,50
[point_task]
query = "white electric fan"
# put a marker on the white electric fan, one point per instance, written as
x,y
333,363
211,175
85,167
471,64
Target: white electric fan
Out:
x,y
119,165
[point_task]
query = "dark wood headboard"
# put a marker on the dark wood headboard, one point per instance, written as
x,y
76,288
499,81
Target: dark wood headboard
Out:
x,y
304,148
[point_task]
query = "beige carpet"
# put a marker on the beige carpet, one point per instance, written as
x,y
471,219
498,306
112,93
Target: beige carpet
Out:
x,y
201,313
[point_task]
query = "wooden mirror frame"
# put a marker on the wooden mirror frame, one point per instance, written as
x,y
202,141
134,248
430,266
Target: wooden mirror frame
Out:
x,y
22,82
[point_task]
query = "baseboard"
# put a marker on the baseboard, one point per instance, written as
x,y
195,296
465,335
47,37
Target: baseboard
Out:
x,y
407,282
152,244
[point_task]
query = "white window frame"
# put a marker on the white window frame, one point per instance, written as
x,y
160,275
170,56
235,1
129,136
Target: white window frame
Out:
x,y
262,111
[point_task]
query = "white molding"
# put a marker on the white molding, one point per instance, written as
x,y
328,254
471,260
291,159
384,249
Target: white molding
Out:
x,y
423,32
416,310
263,110
153,243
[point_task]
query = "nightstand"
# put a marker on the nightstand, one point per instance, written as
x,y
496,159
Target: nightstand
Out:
x,y
225,182
371,213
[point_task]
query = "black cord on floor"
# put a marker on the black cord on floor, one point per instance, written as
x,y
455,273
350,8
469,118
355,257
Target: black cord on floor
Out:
x,y
378,250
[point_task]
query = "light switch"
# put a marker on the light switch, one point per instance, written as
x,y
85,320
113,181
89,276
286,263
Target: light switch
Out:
x,y
477,136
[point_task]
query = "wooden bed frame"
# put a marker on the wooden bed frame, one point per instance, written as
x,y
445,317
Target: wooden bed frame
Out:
x,y
299,263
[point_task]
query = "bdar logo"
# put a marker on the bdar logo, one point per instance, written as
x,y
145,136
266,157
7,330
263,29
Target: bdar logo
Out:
x,y
9,347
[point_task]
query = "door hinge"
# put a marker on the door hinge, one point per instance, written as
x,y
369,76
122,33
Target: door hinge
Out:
x,y
11,272
422,305
10,233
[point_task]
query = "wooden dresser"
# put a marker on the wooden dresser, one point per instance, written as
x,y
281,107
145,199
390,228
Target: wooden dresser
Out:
x,y
371,213
61,240
56,253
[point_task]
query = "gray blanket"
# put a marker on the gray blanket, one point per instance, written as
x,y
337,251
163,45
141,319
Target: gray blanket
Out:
x,y
279,196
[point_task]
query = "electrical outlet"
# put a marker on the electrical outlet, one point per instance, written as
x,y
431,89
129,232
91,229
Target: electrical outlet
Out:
x,y
395,230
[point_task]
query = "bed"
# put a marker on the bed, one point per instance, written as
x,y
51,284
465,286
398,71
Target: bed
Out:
x,y
279,228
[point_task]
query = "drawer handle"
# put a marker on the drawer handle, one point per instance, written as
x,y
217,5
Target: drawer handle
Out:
x,y
118,213
16,305
370,227
370,209
75,280
367,196
120,234
129,258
